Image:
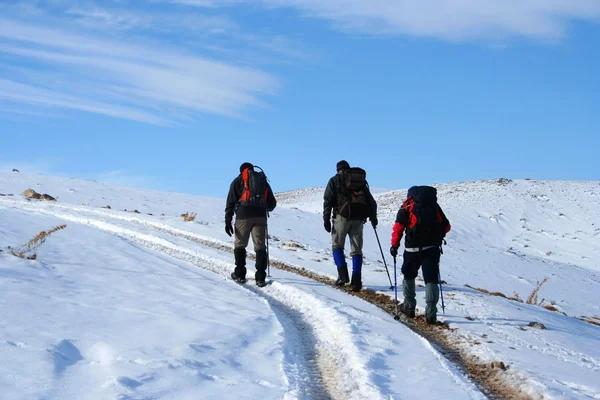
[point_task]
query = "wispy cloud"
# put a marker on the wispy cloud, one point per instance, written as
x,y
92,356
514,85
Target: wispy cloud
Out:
x,y
447,19
143,79
25,112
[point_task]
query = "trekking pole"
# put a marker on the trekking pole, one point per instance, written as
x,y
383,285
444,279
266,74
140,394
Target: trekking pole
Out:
x,y
441,292
268,252
384,263
440,279
396,317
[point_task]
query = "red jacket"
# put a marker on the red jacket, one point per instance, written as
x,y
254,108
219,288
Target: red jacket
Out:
x,y
405,218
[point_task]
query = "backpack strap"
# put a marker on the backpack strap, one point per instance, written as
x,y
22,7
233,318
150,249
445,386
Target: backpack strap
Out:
x,y
246,190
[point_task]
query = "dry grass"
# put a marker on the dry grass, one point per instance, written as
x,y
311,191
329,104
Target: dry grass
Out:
x,y
35,243
591,320
188,217
516,297
551,307
293,244
482,290
533,296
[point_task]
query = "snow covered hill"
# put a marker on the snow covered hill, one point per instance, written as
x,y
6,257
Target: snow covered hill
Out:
x,y
137,304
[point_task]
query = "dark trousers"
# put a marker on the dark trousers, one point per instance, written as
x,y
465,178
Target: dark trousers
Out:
x,y
428,259
257,228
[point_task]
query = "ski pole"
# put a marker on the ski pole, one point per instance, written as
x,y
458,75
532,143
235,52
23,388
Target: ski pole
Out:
x,y
440,279
268,253
397,317
384,263
441,292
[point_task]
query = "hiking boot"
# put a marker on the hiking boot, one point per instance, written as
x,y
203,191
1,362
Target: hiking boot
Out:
x,y
342,276
409,312
432,295
261,283
237,278
431,321
356,282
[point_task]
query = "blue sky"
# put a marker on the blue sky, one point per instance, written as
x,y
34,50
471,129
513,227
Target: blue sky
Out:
x,y
176,94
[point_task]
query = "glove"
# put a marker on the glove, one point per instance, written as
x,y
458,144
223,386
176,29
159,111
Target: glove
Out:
x,y
228,228
374,222
327,224
394,251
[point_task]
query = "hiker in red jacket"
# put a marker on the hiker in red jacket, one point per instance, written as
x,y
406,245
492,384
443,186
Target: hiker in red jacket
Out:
x,y
426,226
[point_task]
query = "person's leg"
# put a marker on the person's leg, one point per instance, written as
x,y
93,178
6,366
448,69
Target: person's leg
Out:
x,y
242,236
410,269
339,232
259,237
431,271
356,244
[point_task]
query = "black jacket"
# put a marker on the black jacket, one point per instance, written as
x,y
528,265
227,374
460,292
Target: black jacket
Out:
x,y
332,198
244,212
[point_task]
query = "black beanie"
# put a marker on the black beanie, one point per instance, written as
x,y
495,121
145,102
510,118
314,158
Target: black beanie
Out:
x,y
342,165
244,166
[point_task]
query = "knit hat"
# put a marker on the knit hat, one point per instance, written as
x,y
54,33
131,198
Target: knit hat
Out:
x,y
342,165
244,166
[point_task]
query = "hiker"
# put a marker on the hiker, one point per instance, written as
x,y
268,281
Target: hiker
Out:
x,y
425,225
250,198
348,196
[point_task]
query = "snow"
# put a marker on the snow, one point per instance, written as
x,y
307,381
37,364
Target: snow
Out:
x,y
129,305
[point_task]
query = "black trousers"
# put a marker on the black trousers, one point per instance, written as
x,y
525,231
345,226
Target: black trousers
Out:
x,y
430,261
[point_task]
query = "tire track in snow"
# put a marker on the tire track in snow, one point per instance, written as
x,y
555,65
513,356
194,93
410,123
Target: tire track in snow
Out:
x,y
323,363
493,382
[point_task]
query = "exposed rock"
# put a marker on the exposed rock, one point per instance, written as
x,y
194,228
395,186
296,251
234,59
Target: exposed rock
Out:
x,y
15,170
107,207
498,364
32,194
537,325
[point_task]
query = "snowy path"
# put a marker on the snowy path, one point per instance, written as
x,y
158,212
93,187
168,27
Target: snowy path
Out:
x,y
330,335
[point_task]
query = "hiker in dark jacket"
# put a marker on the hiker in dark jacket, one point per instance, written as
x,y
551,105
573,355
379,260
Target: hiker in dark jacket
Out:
x,y
250,218
420,250
334,199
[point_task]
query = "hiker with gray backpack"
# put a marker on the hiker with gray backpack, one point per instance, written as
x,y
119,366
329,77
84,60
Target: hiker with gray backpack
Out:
x,y
425,225
250,198
349,202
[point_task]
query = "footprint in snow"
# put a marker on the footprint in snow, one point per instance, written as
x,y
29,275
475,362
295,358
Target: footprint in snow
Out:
x,y
17,344
64,355
129,383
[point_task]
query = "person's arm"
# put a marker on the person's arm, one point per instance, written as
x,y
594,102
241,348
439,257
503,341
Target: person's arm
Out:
x,y
329,199
372,207
232,198
399,227
271,200
445,223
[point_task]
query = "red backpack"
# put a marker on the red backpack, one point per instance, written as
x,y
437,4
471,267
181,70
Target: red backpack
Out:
x,y
256,189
